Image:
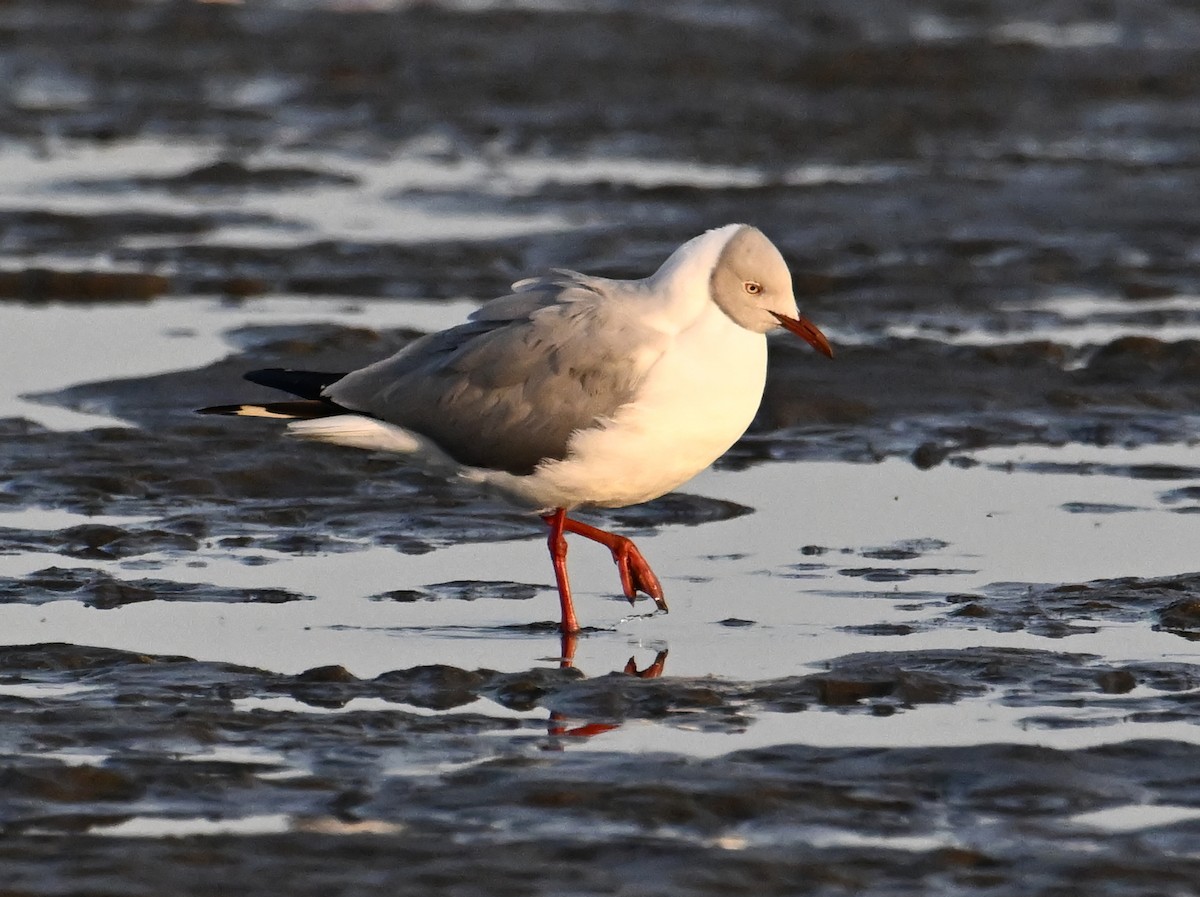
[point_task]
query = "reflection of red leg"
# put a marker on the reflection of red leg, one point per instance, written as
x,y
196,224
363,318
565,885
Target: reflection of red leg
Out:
x,y
559,721
570,641
558,555
636,575
586,731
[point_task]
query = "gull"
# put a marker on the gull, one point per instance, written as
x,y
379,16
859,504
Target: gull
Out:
x,y
572,391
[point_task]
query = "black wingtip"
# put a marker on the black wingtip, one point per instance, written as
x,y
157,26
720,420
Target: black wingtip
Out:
x,y
305,384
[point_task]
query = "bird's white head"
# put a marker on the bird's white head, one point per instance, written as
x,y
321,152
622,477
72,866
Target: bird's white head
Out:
x,y
751,283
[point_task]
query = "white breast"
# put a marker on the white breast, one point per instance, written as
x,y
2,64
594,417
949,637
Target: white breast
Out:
x,y
696,402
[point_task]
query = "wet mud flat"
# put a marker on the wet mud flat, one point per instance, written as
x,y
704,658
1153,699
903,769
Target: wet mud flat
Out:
x,y
235,662
435,795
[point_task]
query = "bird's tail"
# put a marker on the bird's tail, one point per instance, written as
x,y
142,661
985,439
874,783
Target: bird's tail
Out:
x,y
318,419
308,385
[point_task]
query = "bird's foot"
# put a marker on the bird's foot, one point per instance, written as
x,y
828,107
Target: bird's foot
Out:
x,y
636,575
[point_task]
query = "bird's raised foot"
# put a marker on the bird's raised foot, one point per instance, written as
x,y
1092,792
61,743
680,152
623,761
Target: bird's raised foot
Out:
x,y
635,572
636,575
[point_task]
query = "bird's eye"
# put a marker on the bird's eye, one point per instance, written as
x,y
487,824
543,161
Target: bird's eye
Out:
x,y
752,287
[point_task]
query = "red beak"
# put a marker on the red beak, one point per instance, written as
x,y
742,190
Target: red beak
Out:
x,y
807,331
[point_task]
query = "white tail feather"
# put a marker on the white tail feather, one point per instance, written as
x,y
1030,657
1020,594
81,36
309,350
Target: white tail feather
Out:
x,y
260,411
373,435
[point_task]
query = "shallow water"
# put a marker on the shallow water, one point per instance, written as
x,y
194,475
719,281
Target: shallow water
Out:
x,y
933,621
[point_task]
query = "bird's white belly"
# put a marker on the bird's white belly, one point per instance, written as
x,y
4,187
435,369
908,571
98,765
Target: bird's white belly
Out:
x,y
694,405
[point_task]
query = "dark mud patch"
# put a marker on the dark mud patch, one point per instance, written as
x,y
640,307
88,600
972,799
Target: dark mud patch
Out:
x,y
224,175
96,541
45,285
910,549
1165,472
249,491
905,550
100,590
464,590
897,574
1169,603
891,399
1087,507
36,230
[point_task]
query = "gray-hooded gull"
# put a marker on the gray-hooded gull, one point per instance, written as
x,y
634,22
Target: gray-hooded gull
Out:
x,y
573,391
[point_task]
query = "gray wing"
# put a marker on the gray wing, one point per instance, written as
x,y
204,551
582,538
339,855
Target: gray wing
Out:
x,y
508,388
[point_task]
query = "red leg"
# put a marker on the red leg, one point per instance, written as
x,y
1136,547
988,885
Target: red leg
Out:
x,y
636,575
558,555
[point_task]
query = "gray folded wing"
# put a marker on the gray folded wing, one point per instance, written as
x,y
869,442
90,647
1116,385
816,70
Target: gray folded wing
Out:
x,y
508,388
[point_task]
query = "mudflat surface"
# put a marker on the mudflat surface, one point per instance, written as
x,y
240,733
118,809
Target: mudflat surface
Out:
x,y
933,619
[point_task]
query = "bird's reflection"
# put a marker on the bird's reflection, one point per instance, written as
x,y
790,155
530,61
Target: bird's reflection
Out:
x,y
570,644
558,726
445,689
